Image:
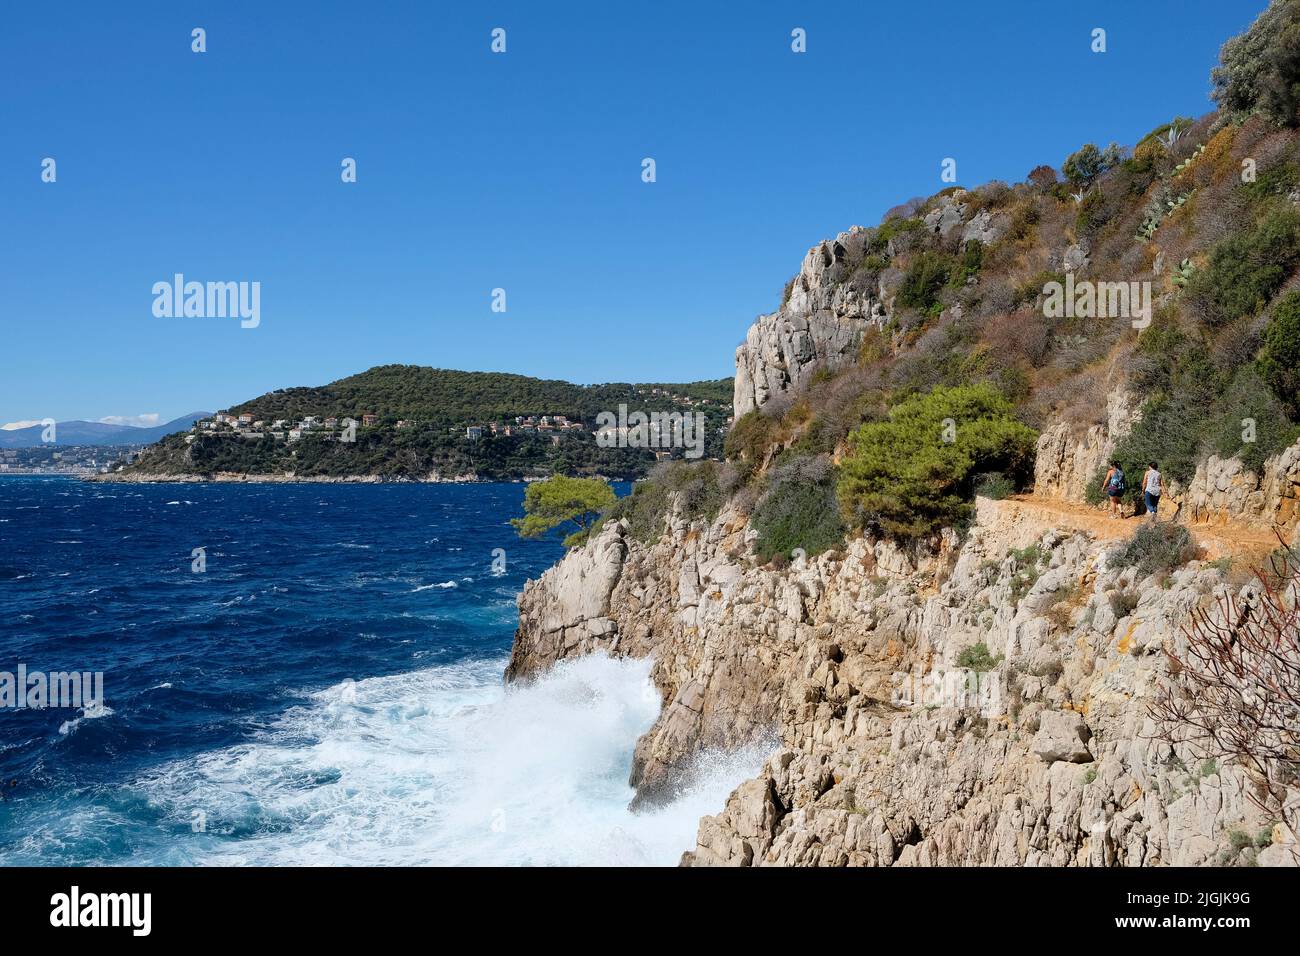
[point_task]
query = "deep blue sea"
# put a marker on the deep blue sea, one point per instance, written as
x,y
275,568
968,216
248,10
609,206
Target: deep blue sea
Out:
x,y
327,690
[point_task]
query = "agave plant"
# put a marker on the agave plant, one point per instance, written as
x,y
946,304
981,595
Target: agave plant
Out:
x,y
1173,135
1078,197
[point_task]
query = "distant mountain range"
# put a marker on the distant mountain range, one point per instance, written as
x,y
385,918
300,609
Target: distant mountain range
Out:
x,y
97,433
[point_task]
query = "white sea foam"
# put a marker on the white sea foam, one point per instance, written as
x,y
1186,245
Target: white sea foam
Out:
x,y
448,766
87,713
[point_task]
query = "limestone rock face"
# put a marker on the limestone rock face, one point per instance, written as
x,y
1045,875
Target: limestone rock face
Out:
x,y
985,227
1224,490
575,618
884,751
1068,458
820,325
1062,735
947,215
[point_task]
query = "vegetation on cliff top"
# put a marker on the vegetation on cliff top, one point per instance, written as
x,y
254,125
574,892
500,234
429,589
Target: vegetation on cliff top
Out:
x,y
913,474
563,501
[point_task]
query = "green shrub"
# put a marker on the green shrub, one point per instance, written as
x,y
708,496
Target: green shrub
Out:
x,y
1155,547
1196,414
1089,162
1162,350
977,658
1123,603
798,509
1199,396
1027,570
900,476
972,260
1277,180
1093,213
1031,289
749,439
700,489
923,281
1250,406
1279,361
1170,432
644,510
995,485
1095,493
1028,557
1247,269
878,245
1259,71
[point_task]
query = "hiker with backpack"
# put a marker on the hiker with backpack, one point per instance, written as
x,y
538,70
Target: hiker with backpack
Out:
x,y
1151,489
1114,486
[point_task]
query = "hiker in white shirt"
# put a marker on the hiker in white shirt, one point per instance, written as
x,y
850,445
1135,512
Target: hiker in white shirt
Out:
x,y
1151,489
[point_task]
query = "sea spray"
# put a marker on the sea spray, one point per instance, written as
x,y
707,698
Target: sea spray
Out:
x,y
448,766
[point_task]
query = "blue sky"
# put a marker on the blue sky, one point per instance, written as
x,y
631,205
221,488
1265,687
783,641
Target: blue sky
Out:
x,y
519,171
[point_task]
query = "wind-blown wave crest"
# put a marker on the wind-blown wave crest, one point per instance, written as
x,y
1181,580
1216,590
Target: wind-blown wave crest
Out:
x,y
447,766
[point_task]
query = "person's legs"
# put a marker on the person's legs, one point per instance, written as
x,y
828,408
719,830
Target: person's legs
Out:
x,y
1152,503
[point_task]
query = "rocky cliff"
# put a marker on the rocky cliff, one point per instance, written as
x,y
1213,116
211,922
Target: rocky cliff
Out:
x,y
982,697
888,752
819,325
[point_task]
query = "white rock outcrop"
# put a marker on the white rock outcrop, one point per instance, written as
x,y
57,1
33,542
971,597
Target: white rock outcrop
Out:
x,y
1224,490
820,325
1068,458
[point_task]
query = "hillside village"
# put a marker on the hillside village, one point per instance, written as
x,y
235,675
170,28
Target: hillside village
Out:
x,y
409,423
333,428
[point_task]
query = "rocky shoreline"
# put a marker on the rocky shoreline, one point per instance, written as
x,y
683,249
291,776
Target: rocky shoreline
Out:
x,y
850,662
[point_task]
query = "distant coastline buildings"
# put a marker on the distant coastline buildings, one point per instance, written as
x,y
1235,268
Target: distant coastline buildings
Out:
x,y
245,425
554,426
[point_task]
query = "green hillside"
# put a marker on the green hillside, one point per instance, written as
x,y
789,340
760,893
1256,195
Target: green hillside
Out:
x,y
449,396
435,408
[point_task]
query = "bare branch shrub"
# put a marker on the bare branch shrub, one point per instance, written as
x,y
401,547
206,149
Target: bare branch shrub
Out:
x,y
1235,692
